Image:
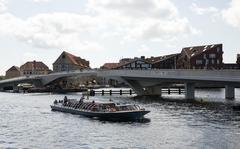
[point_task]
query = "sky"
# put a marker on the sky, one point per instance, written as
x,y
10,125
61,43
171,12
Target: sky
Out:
x,y
104,31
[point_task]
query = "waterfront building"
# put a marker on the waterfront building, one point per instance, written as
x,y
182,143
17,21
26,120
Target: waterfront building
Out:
x,y
13,72
165,62
69,62
129,63
34,68
125,60
153,59
201,57
136,63
109,66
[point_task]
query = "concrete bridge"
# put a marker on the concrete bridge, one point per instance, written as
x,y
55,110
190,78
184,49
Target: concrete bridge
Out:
x,y
44,80
150,82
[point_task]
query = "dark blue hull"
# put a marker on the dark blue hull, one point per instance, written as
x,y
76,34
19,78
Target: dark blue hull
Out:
x,y
119,115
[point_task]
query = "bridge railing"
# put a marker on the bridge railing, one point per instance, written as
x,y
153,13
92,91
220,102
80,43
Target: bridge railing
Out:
x,y
215,75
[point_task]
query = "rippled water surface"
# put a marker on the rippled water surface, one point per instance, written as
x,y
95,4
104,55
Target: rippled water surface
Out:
x,y
26,121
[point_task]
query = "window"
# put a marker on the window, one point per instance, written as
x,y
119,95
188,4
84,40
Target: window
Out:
x,y
218,62
63,67
199,62
213,55
207,61
218,49
213,61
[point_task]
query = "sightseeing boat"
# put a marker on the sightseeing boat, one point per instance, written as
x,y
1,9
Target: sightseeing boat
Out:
x,y
102,110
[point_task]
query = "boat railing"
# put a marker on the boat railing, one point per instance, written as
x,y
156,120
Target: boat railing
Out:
x,y
91,106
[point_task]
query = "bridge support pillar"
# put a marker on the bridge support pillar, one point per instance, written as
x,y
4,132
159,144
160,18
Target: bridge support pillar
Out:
x,y
189,91
155,90
136,86
229,92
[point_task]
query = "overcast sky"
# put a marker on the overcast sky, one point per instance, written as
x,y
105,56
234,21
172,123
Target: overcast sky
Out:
x,y
107,30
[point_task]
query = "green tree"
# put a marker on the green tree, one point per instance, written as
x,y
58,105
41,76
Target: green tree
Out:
x,y
2,77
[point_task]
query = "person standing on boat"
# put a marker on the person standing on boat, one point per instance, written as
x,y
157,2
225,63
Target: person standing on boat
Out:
x,y
65,99
81,99
55,101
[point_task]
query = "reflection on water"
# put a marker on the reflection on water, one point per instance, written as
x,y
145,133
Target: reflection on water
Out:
x,y
26,121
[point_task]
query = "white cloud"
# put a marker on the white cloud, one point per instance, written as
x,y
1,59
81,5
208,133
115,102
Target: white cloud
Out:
x,y
232,14
155,30
143,49
29,57
134,8
41,1
141,19
201,10
57,30
3,6
128,19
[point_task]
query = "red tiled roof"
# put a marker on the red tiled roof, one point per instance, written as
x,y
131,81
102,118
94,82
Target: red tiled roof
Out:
x,y
77,60
34,65
110,65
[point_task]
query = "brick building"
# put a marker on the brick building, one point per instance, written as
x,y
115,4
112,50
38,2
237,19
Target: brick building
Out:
x,y
201,57
69,62
13,72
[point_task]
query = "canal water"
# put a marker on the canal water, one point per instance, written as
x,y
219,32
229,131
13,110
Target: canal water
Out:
x,y
27,122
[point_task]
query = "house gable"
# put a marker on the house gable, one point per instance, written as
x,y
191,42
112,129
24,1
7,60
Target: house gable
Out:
x,y
14,68
63,59
68,62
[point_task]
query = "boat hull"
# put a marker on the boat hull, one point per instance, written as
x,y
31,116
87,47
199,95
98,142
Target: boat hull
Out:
x,y
119,115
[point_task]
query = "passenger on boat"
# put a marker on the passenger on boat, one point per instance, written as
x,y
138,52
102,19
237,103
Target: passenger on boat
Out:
x,y
112,109
81,99
55,101
65,99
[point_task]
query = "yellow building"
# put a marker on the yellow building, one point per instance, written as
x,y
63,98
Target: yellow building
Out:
x,y
34,68
13,72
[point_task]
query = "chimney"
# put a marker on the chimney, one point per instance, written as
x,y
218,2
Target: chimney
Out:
x,y
34,65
